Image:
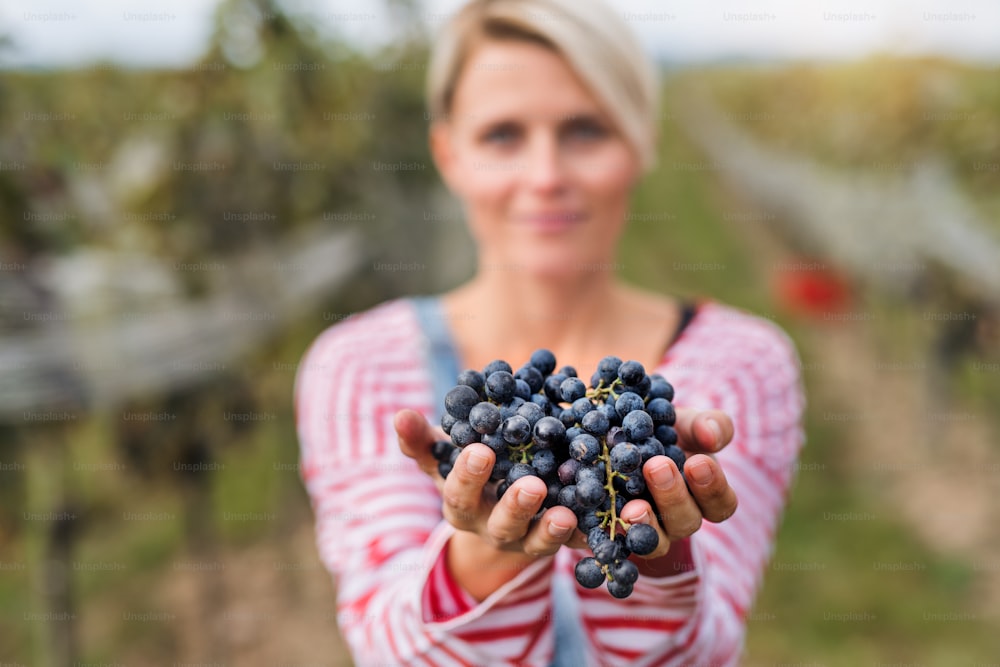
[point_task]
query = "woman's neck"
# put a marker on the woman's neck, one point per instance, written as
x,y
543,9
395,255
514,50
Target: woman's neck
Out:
x,y
581,319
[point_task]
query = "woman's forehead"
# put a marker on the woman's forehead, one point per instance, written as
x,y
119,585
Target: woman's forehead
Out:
x,y
505,79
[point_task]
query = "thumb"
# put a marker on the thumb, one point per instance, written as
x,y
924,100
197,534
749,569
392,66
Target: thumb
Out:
x,y
416,437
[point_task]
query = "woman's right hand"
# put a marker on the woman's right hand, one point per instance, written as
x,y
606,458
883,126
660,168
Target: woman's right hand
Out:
x,y
493,536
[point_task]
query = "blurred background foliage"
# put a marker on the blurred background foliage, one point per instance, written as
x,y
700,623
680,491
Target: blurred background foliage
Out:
x,y
164,520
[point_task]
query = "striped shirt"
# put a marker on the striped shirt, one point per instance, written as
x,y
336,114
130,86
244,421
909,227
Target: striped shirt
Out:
x,y
380,530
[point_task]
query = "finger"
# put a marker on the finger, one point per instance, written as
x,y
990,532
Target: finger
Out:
x,y
710,489
703,430
462,494
639,511
577,540
416,439
678,512
510,519
554,529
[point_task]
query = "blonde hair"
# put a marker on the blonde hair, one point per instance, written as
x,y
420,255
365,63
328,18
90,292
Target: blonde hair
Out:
x,y
595,41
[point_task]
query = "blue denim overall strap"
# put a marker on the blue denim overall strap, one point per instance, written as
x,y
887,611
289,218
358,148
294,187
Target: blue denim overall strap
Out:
x,y
440,352
570,644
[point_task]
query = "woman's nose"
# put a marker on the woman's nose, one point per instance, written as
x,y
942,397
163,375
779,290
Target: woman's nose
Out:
x,y
545,169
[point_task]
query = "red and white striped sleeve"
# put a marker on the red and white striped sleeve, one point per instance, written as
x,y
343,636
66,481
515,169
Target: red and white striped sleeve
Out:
x,y
747,367
379,526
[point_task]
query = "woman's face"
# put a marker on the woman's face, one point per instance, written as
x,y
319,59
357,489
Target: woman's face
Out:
x,y
542,172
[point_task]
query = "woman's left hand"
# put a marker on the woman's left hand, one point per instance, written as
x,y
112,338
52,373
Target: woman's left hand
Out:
x,y
701,433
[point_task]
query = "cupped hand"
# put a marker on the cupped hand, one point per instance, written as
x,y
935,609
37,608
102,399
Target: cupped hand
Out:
x,y
512,524
681,508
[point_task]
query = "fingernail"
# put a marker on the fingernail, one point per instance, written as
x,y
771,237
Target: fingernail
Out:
x,y
642,518
558,531
662,476
476,463
701,472
527,500
716,429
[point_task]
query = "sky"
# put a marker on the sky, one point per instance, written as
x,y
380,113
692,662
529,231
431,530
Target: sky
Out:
x,y
167,33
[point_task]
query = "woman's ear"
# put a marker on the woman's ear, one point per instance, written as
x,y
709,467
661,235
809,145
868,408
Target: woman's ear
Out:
x,y
442,152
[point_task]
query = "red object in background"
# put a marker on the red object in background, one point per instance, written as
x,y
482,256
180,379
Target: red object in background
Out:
x,y
811,288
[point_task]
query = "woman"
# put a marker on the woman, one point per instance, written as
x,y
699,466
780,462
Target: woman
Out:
x,y
544,118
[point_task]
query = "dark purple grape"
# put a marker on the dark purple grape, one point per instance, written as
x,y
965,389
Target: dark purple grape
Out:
x,y
649,448
552,489
666,435
522,390
532,377
636,484
595,472
519,470
607,369
572,432
625,458
567,417
463,434
627,403
677,455
587,520
472,378
497,365
590,493
544,462
542,401
567,497
585,448
496,442
516,430
660,388
444,468
532,412
485,418
447,421
510,408
500,386
624,572
441,449
595,536
581,407
642,539
607,552
567,471
549,432
551,387
568,371
662,411
543,360
460,400
572,389
502,489
637,426
631,372
501,468
595,423
642,388
619,589
608,409
589,574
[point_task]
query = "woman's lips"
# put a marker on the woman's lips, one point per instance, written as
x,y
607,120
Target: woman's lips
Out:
x,y
551,223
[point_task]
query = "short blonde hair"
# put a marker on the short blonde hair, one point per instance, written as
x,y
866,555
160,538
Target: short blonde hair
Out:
x,y
596,42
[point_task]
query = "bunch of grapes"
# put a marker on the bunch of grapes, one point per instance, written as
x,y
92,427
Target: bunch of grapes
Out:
x,y
588,444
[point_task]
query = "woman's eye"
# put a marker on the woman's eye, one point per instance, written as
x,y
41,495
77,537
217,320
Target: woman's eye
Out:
x,y
503,134
586,130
